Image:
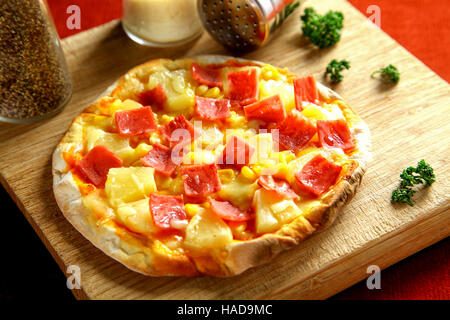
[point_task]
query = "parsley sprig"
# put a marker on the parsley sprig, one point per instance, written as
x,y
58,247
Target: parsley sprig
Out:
x,y
334,69
286,12
388,74
322,30
422,174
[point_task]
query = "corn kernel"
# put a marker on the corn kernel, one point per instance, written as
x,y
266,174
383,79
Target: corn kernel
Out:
x,y
155,138
286,156
226,175
238,228
192,209
270,73
142,149
248,173
267,74
283,170
257,169
201,90
116,104
206,205
165,119
236,120
212,93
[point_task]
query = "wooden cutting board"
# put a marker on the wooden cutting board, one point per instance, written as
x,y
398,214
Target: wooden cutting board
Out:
x,y
409,121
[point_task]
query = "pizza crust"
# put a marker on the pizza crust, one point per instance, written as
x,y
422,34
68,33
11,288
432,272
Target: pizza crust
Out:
x,y
239,255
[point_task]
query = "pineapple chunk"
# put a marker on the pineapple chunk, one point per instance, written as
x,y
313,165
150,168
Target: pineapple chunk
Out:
x,y
271,213
314,112
210,137
119,145
239,192
136,216
178,89
263,145
207,231
128,104
92,134
172,185
334,110
129,184
116,143
97,121
284,89
199,156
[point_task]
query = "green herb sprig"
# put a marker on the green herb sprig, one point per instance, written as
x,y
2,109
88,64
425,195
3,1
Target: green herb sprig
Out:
x,y
334,69
286,12
322,30
422,174
388,74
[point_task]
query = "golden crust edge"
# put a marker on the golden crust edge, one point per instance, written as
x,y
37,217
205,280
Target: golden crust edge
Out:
x,y
240,256
103,236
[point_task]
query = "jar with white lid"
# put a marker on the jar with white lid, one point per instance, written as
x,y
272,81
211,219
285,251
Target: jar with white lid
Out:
x,y
161,23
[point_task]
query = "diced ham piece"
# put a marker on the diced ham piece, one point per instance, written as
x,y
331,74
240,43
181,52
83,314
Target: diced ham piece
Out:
x,y
269,110
207,76
227,211
212,109
280,187
295,131
135,122
237,153
167,211
200,180
305,89
243,87
317,176
155,97
160,158
335,134
96,164
179,131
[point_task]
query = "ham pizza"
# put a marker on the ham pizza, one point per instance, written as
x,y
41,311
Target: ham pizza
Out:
x,y
208,166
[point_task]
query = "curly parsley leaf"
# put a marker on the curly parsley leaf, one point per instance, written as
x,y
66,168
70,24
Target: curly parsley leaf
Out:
x,y
286,12
322,30
334,69
403,195
422,174
388,74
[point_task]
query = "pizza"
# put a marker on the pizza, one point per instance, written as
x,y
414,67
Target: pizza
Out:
x,y
208,166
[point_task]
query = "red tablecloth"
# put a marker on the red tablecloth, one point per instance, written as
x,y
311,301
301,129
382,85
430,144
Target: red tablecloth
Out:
x,y
422,27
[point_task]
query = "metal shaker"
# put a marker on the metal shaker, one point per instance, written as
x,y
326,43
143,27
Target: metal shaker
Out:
x,y
244,25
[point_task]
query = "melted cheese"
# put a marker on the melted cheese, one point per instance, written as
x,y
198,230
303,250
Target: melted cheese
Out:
x,y
127,189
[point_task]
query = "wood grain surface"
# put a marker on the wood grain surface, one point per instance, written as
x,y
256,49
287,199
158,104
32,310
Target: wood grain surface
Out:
x,y
408,121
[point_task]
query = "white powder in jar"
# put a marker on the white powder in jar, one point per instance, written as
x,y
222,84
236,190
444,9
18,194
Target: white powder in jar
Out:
x,y
162,21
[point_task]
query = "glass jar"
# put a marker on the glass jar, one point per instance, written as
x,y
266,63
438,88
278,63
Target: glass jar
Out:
x,y
244,25
161,23
34,80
